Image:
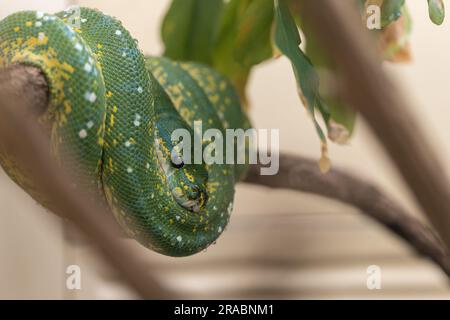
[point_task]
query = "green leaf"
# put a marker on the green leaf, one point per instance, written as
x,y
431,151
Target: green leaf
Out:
x,y
286,38
223,55
253,42
229,21
391,10
189,29
436,10
339,118
397,44
244,40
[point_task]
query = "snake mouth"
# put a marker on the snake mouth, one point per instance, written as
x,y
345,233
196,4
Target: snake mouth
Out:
x,y
195,201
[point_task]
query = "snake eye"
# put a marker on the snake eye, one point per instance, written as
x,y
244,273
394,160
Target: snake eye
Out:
x,y
178,165
176,159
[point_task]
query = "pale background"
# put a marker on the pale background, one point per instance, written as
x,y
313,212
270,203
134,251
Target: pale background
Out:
x,y
279,244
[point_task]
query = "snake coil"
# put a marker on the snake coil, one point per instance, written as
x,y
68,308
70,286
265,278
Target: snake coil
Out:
x,y
112,111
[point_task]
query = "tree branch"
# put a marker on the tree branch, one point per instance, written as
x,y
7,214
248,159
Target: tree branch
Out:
x,y
301,174
338,28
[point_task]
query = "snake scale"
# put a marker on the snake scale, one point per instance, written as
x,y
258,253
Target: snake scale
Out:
x,y
112,111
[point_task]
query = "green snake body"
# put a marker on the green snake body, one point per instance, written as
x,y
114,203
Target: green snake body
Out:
x,y
112,111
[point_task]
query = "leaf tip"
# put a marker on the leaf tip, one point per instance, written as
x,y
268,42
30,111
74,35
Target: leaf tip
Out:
x,y
338,133
324,162
436,10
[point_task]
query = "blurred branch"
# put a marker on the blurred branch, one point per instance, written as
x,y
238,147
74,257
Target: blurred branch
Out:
x,y
302,174
25,143
367,88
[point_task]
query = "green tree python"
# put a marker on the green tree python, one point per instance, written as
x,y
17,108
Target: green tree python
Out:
x,y
112,111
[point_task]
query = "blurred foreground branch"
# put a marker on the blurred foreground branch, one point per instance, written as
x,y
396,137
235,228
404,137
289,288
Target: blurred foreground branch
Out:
x,y
23,94
337,26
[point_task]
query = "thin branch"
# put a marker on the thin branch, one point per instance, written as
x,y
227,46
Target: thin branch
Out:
x,y
368,89
24,142
301,174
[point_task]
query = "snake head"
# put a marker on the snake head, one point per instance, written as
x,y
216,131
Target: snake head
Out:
x,y
190,193
187,182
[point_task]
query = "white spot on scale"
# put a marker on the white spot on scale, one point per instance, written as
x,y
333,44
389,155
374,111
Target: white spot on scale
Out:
x,y
137,123
41,36
38,24
147,165
178,218
118,32
83,20
83,134
90,96
88,67
130,170
230,208
140,90
90,124
179,238
46,18
127,144
124,54
78,46
219,229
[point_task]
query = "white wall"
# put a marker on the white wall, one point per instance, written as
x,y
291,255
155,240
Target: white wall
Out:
x,y
9,6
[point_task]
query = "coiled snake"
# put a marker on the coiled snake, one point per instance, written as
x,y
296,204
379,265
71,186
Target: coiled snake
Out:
x,y
112,111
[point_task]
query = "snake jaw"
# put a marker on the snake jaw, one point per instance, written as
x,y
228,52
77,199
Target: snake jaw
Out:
x,y
101,95
196,203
